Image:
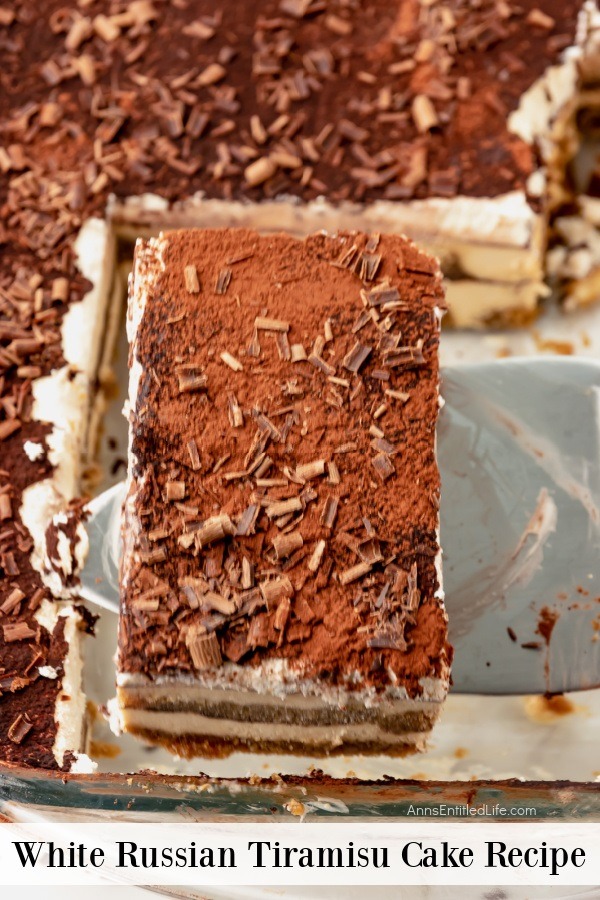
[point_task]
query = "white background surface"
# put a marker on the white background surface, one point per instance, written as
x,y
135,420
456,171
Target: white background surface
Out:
x,y
113,892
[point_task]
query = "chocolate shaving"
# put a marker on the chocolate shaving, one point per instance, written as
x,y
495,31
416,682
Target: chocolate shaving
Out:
x,y
265,425
223,281
363,318
329,512
12,601
254,346
412,598
308,471
192,448
247,521
281,617
5,508
275,590
388,640
19,728
192,283
18,631
383,446
348,447
236,416
175,490
204,650
355,572
397,395
380,295
230,360
370,551
190,379
247,573
333,473
317,556
367,266
283,507
320,363
405,357
383,466
286,544
265,324
297,353
356,357
214,529
283,346
212,600
346,259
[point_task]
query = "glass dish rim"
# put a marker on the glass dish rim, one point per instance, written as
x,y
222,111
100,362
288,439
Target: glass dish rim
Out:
x,y
316,795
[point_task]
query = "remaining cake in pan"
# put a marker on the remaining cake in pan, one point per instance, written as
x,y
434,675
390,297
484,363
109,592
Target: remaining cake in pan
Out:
x,y
281,588
451,122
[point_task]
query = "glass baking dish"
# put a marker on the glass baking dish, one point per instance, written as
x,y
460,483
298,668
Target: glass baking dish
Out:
x,y
515,752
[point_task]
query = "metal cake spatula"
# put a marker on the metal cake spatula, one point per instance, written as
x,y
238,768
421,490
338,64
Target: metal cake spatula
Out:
x,y
519,454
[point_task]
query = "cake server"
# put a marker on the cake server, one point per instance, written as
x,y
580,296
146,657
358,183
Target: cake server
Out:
x,y
519,455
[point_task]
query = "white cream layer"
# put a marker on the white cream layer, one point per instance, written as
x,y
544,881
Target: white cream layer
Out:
x,y
70,708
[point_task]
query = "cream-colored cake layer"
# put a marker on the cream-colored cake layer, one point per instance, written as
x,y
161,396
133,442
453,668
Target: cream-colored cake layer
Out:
x,y
179,724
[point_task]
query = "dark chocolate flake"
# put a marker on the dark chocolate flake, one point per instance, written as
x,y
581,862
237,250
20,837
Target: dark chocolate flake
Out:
x,y
405,357
223,281
18,631
204,650
19,728
356,357
383,466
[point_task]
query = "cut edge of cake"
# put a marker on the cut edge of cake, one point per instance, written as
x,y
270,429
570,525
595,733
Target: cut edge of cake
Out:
x,y
65,399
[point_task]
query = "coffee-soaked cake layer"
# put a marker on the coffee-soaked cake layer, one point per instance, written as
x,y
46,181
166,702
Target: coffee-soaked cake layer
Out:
x,y
280,578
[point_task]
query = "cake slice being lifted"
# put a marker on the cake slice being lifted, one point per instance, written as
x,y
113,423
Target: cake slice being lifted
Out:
x,y
281,586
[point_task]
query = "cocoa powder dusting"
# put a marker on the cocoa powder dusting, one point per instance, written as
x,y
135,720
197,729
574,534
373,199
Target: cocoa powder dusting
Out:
x,y
387,622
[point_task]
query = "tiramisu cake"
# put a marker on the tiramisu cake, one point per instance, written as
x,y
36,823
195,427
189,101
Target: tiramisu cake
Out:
x,y
281,588
453,122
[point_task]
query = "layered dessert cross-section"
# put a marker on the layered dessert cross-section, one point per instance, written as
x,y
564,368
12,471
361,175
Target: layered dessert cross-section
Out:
x,y
280,581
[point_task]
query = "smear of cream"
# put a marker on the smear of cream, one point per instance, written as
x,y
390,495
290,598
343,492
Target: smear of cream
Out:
x,y
528,555
488,589
547,458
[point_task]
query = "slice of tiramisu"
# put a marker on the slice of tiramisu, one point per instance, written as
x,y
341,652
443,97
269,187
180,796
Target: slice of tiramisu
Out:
x,y
281,587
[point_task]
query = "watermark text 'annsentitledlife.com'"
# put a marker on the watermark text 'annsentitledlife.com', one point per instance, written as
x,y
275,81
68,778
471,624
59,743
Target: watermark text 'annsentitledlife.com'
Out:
x,y
465,811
